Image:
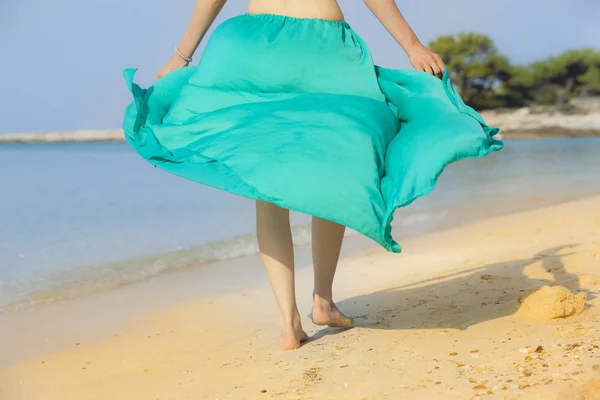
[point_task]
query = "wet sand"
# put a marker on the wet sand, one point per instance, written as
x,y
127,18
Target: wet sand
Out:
x,y
443,320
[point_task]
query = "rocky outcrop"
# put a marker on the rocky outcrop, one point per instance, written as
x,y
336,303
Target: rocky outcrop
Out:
x,y
581,118
76,136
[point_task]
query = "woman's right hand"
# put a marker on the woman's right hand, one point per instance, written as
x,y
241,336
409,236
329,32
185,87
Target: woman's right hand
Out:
x,y
426,60
173,64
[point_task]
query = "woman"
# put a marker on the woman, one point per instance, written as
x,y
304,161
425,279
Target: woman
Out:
x,y
287,108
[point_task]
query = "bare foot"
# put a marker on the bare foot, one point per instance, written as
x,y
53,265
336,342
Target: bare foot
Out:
x,y
293,337
325,312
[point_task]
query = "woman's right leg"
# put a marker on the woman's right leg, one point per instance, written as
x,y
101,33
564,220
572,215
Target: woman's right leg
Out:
x,y
327,240
277,251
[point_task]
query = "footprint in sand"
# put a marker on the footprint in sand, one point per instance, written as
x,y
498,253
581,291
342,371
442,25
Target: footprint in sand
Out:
x,y
488,277
312,375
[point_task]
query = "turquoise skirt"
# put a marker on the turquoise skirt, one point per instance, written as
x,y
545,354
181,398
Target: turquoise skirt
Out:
x,y
293,111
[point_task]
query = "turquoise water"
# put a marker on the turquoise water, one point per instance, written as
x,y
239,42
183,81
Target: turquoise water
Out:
x,y
96,212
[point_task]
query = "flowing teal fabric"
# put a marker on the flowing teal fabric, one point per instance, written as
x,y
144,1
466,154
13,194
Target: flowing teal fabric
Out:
x,y
293,111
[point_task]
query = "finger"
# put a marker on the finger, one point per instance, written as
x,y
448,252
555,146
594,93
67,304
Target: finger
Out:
x,y
441,68
427,69
436,68
439,62
441,65
432,63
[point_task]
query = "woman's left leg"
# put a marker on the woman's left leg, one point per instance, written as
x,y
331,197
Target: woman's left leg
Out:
x,y
327,240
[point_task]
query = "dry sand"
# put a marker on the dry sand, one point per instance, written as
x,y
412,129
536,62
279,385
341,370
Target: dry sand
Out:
x,y
440,321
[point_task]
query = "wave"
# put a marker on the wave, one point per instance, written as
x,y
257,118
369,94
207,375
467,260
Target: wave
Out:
x,y
85,280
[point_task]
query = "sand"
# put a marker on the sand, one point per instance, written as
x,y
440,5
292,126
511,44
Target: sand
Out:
x,y
439,321
550,302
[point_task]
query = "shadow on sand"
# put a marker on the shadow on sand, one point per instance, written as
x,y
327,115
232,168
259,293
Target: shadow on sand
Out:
x,y
461,299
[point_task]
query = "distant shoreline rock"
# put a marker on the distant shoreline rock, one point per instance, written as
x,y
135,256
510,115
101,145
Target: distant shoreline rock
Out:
x,y
524,122
580,119
75,136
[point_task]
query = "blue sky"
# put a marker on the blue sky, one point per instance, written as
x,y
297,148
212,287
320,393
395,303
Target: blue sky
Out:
x,y
62,60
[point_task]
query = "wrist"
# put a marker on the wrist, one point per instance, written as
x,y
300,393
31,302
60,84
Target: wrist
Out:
x,y
183,56
186,49
412,46
178,61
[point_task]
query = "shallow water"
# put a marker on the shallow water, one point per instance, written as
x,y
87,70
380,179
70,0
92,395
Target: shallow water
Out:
x,y
96,213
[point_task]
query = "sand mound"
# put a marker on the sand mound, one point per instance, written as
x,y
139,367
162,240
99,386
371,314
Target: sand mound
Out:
x,y
550,302
589,390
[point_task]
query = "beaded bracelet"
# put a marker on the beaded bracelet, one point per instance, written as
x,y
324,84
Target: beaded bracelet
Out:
x,y
184,58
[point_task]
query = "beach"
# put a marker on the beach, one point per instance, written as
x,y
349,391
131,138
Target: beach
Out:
x,y
131,192
443,320
97,216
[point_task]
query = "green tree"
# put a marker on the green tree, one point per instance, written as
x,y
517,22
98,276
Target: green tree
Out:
x,y
519,89
534,83
476,67
571,72
590,81
486,79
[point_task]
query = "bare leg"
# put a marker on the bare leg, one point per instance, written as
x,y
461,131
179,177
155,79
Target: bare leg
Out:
x,y
327,239
277,251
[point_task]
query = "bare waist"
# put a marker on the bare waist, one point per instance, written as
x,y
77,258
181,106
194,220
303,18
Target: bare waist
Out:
x,y
322,9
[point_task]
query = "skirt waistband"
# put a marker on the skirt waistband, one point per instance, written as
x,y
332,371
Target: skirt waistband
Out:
x,y
286,18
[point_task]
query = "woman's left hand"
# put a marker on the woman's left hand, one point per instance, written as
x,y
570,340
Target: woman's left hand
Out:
x,y
426,60
173,64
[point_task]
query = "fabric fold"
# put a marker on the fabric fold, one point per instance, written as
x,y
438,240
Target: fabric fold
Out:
x,y
437,128
250,119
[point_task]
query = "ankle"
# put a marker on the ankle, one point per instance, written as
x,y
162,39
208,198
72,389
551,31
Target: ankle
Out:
x,y
291,322
322,301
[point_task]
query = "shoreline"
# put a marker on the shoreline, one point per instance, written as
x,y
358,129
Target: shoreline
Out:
x,y
112,135
524,123
117,135
551,133
413,313
101,278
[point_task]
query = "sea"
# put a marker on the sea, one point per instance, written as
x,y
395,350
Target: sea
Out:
x,y
95,215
